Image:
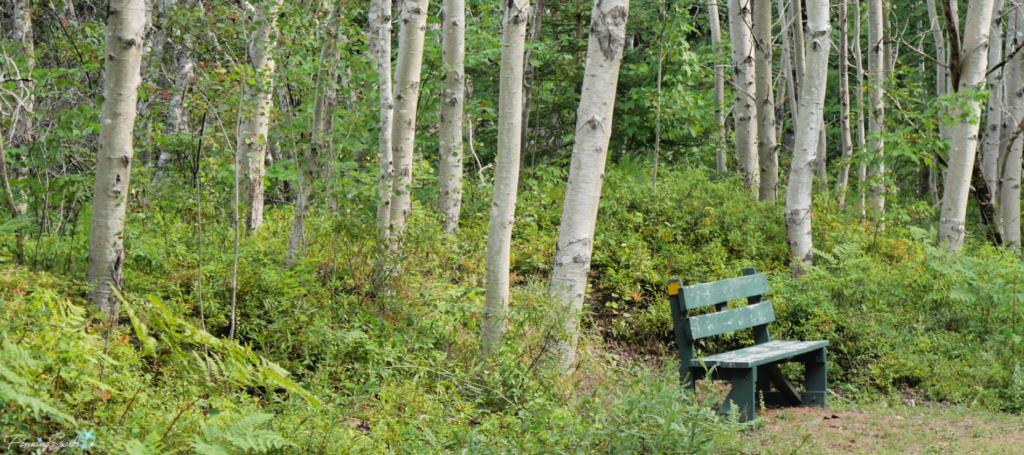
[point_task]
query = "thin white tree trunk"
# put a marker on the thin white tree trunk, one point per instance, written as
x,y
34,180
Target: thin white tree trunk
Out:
x,y
812,102
745,90
257,104
862,170
722,159
407,95
974,63
449,199
126,21
941,75
821,160
24,122
324,101
506,171
373,16
994,110
787,67
528,70
586,175
385,128
799,53
844,102
1009,180
876,117
767,149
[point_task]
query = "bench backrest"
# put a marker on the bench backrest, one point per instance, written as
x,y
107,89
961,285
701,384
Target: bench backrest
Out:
x,y
756,314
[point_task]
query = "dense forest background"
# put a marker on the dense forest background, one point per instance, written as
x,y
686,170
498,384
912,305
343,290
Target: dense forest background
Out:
x,y
317,326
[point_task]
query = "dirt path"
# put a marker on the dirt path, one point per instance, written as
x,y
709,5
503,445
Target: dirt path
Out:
x,y
878,429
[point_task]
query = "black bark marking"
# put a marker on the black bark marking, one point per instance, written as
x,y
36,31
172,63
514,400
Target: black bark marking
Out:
x,y
610,29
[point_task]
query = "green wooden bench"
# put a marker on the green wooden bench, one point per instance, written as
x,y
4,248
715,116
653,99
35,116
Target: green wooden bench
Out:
x,y
752,370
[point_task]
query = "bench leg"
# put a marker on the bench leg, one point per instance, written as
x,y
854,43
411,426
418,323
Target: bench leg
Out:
x,y
742,394
816,381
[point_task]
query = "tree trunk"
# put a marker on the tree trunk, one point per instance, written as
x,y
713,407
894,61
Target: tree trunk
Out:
x,y
994,110
177,116
812,102
941,75
767,149
821,160
385,129
1009,180
506,171
799,53
745,107
876,91
528,70
844,102
24,121
722,159
324,101
126,21
586,175
787,67
407,95
449,199
862,169
973,64
373,23
257,102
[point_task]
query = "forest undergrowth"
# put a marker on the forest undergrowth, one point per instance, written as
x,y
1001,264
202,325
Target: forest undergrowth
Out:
x,y
330,358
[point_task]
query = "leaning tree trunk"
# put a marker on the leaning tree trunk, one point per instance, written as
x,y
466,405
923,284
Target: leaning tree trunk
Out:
x,y
323,128
257,103
994,110
745,106
528,70
184,71
767,149
799,53
844,102
126,21
1010,173
973,64
506,171
407,95
449,199
385,128
586,174
722,160
812,102
876,119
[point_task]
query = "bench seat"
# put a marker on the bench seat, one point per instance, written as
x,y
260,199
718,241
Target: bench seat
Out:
x,y
757,355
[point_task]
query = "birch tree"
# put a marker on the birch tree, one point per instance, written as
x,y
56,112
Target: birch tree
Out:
x,y
449,199
876,92
812,102
941,77
537,21
586,175
862,169
1010,170
385,128
994,110
506,171
126,21
407,94
745,90
324,101
973,64
767,149
257,103
844,101
24,38
722,161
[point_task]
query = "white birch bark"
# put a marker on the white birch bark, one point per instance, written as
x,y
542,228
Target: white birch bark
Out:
x,y
506,171
373,19
812,102
407,93
1009,180
799,53
767,149
24,38
722,160
324,101
528,70
844,101
974,63
745,90
586,175
184,71
125,31
385,128
941,76
876,117
449,198
258,101
862,170
994,109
